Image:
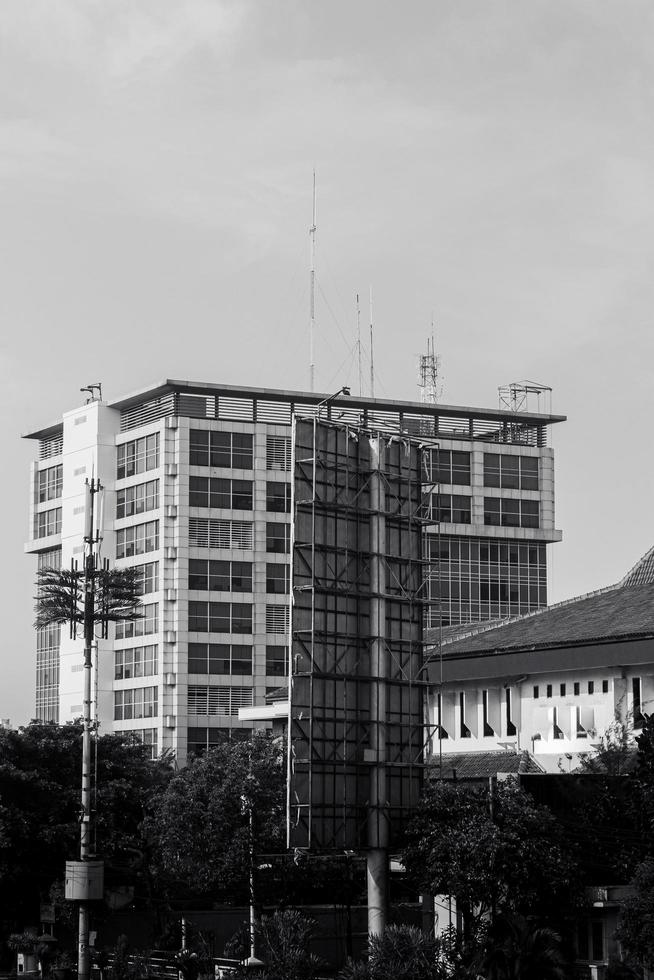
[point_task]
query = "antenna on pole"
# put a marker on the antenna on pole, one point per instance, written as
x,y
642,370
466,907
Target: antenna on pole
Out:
x,y
312,289
372,356
359,346
429,377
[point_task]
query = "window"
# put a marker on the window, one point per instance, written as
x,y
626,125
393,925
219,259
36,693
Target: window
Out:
x,y
277,619
207,699
220,534
501,511
50,483
556,731
220,617
591,687
230,450
219,658
549,690
228,494
562,690
138,702
510,727
146,624
278,497
278,538
277,577
575,688
147,737
536,691
464,731
510,472
450,508
276,661
597,939
147,577
137,499
47,522
135,662
450,466
278,453
220,576
138,456
137,540
637,704
202,739
605,687
488,730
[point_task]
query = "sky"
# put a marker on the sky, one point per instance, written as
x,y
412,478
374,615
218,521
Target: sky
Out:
x,y
485,165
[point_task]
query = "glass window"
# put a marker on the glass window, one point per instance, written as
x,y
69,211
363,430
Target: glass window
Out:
x,y
491,470
278,497
220,576
276,661
510,472
137,456
562,690
492,510
277,577
146,624
536,691
137,540
47,522
591,687
605,687
278,538
450,466
50,482
575,688
529,473
137,499
637,704
230,450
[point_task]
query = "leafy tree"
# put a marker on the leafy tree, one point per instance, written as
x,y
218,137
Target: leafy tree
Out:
x,y
401,952
514,862
516,949
200,826
40,772
284,939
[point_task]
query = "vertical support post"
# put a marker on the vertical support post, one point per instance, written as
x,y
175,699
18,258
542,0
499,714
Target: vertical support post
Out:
x,y
378,836
83,954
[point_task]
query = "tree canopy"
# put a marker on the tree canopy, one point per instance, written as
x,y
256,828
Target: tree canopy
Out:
x,y
512,862
199,827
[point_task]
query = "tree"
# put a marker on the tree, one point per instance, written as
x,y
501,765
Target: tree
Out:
x,y
401,952
39,808
513,862
518,950
199,827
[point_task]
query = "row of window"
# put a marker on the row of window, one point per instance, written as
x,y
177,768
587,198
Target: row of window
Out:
x,y
232,450
220,617
234,658
209,575
137,499
202,739
137,456
563,688
136,662
213,491
140,539
138,702
500,511
50,483
147,623
502,470
47,522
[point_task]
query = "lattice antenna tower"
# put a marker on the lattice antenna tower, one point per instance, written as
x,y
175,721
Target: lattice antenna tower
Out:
x,y
312,290
430,380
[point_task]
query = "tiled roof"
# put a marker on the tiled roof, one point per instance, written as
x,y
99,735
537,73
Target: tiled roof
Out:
x,y
481,765
613,613
642,573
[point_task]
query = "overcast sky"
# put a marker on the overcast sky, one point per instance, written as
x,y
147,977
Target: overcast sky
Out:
x,y
485,162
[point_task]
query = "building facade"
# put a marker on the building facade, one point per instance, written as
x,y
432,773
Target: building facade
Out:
x,y
197,496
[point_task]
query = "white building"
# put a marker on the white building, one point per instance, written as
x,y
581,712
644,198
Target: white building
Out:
x,y
551,683
196,484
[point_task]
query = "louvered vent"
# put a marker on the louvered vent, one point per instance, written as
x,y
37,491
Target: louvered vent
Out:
x,y
223,535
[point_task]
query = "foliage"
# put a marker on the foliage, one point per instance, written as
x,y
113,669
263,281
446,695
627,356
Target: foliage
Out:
x,y
636,925
400,953
40,775
513,862
60,596
516,949
199,826
284,940
614,753
22,942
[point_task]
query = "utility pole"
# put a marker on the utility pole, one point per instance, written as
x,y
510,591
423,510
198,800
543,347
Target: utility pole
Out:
x,y
372,355
91,538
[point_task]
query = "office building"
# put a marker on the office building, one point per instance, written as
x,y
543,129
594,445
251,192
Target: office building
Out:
x,y
197,495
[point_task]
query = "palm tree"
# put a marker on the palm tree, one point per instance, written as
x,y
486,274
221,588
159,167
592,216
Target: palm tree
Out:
x,y
519,950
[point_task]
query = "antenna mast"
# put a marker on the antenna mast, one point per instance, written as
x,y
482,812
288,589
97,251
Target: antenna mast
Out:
x,y
312,289
429,379
372,357
359,346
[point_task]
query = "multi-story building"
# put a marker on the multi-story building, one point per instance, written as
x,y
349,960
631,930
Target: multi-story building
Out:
x,y
197,495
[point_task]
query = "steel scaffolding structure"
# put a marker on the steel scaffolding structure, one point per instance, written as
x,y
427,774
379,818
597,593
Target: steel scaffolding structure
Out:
x,y
357,727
